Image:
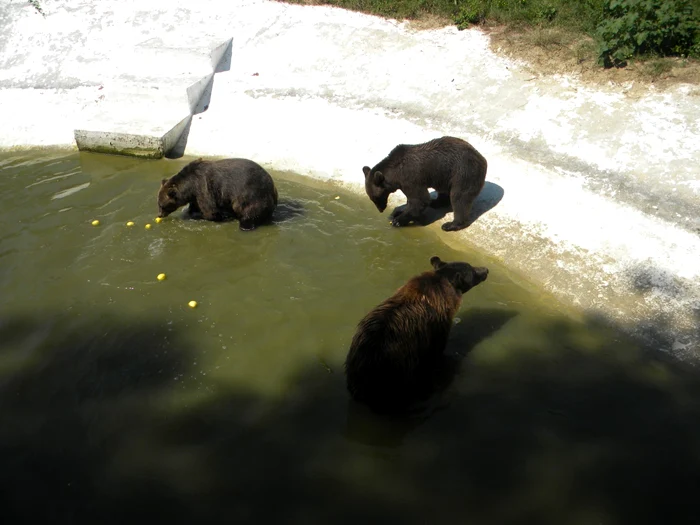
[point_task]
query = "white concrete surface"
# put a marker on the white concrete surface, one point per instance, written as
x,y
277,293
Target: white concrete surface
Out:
x,y
601,200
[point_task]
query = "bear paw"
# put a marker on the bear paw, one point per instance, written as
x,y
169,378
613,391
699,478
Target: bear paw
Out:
x,y
453,226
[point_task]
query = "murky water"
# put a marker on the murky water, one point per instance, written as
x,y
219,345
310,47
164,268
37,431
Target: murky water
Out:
x,y
119,402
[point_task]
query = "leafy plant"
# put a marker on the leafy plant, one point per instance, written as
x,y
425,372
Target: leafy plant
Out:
x,y
472,12
546,12
636,27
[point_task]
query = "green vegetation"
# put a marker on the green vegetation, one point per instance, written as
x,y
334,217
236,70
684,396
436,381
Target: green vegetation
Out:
x,y
622,28
653,27
577,15
400,9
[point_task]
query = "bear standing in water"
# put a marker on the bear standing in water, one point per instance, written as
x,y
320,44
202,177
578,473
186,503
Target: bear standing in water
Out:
x,y
449,165
399,344
219,190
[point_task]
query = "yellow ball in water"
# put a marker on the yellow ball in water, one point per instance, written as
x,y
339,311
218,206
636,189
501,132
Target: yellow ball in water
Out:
x,y
337,198
95,222
192,304
161,277
148,226
130,223
158,219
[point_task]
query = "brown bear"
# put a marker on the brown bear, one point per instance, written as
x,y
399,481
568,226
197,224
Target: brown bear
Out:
x,y
398,345
219,190
449,165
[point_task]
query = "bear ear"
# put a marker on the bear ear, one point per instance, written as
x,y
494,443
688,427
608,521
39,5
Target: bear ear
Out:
x,y
366,171
172,193
378,178
436,262
163,181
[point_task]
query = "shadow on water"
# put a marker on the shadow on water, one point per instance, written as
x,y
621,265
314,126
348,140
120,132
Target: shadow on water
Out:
x,y
489,197
551,432
69,395
476,325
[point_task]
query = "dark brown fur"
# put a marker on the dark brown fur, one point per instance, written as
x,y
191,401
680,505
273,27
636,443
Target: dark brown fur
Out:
x,y
449,165
219,190
397,345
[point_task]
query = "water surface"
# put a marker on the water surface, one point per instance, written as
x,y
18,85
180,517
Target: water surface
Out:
x,y
119,402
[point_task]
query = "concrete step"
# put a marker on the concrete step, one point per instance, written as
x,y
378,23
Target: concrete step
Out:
x,y
146,114
129,122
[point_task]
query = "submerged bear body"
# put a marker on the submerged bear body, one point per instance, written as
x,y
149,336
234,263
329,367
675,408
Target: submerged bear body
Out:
x,y
220,190
398,345
451,166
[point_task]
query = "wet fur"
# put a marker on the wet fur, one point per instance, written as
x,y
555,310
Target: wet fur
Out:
x,y
220,190
398,345
450,165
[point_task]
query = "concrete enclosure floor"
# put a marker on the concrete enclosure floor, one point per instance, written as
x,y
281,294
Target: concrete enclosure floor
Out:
x,y
594,192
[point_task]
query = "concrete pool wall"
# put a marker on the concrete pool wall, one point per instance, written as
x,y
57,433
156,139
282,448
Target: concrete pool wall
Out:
x,y
600,185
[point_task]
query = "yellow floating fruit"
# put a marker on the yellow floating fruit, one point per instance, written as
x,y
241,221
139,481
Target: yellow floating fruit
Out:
x,y
192,304
95,222
338,197
148,226
161,277
130,223
158,219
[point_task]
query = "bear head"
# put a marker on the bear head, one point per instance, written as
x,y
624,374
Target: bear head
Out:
x,y
463,276
377,188
169,198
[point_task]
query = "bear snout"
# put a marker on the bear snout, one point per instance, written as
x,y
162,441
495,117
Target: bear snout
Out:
x,y
481,272
381,204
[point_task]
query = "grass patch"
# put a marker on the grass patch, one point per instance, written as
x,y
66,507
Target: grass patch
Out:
x,y
400,9
657,67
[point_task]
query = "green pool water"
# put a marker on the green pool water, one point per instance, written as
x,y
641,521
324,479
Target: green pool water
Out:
x,y
120,402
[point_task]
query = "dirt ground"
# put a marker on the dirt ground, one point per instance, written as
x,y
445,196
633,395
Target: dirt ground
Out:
x,y
551,51
547,51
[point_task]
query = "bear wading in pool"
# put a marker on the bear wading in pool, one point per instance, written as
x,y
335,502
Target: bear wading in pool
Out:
x,y
220,190
399,345
449,165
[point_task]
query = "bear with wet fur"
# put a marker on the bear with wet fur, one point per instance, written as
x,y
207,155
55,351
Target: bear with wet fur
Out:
x,y
449,165
398,346
219,190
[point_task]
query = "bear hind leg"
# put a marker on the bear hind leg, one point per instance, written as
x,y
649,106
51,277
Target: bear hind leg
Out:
x,y
462,201
254,215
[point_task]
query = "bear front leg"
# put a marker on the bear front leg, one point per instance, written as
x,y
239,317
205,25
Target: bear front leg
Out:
x,y
193,210
415,207
246,225
208,213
